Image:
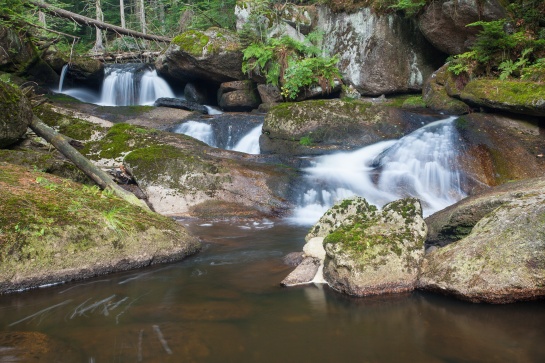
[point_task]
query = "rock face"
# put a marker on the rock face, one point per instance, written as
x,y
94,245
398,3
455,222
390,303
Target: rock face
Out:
x,y
498,149
444,23
15,52
59,231
16,115
456,222
502,260
379,54
321,126
376,252
213,55
196,92
238,96
85,70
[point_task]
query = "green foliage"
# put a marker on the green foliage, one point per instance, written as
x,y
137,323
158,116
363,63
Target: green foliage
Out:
x,y
291,64
305,141
410,7
506,48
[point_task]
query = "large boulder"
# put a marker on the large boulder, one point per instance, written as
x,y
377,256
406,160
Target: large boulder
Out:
x,y
444,23
457,221
497,149
16,114
213,55
501,260
379,54
85,70
376,252
16,51
55,230
321,126
185,177
522,97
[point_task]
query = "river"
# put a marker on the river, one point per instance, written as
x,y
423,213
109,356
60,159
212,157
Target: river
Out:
x,y
225,305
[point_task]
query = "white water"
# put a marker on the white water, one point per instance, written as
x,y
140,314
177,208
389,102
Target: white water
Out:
x,y
63,75
249,144
213,110
198,130
118,88
421,164
153,87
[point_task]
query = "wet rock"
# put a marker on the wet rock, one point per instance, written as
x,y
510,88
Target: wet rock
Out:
x,y
379,54
181,104
304,273
293,258
321,126
213,55
197,93
376,252
498,148
501,260
269,93
520,97
238,96
16,114
85,70
444,23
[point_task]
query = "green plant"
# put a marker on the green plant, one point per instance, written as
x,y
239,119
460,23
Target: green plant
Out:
x,y
305,141
410,7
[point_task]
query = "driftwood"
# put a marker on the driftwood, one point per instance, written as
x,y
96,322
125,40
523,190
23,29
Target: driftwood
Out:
x,y
99,176
126,56
83,20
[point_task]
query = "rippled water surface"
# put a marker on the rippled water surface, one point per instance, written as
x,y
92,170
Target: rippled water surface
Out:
x,y
225,305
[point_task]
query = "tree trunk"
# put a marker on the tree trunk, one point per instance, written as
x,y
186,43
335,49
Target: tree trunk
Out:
x,y
41,17
122,13
99,46
142,16
99,176
80,19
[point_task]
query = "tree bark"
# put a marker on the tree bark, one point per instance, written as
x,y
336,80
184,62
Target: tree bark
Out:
x,y
99,46
80,19
99,176
122,13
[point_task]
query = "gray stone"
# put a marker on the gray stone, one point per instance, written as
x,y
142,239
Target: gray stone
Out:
x,y
16,114
238,96
304,273
269,93
197,93
181,104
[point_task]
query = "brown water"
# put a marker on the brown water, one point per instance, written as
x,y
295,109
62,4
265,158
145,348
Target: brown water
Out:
x,y
225,305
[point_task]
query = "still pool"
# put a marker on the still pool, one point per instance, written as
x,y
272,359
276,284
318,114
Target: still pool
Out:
x,y
225,305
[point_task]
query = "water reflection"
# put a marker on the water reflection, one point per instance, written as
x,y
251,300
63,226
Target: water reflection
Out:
x,y
203,310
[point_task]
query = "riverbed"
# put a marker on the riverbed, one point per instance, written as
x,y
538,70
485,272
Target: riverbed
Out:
x,y
225,304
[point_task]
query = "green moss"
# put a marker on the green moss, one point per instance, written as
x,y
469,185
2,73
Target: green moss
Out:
x,y
508,92
414,102
119,140
72,127
192,42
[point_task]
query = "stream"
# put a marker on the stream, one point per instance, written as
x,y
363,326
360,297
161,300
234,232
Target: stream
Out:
x,y
225,304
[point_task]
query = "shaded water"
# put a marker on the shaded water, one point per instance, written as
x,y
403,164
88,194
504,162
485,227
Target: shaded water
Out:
x,y
225,305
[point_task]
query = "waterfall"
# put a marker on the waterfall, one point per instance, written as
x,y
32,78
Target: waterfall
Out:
x,y
118,88
249,144
421,164
63,74
153,87
197,130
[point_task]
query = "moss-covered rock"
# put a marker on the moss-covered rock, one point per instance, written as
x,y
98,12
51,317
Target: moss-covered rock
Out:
x,y
16,51
436,96
523,97
501,260
319,126
214,55
374,252
54,230
16,114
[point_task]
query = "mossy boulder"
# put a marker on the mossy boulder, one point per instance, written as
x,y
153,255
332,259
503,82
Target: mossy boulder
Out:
x,y
499,148
213,55
238,96
321,126
16,51
522,97
501,260
436,97
183,176
53,230
376,252
84,70
16,114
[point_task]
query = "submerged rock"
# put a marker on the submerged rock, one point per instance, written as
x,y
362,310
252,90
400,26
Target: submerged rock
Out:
x,y
371,252
501,260
59,231
16,114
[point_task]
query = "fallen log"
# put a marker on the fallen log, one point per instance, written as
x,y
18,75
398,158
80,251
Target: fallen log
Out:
x,y
99,176
83,20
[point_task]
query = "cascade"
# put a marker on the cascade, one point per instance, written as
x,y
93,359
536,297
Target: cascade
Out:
x,y
118,88
421,164
153,87
249,144
63,74
197,130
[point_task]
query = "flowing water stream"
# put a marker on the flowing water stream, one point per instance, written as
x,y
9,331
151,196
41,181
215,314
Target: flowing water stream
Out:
x,y
225,305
